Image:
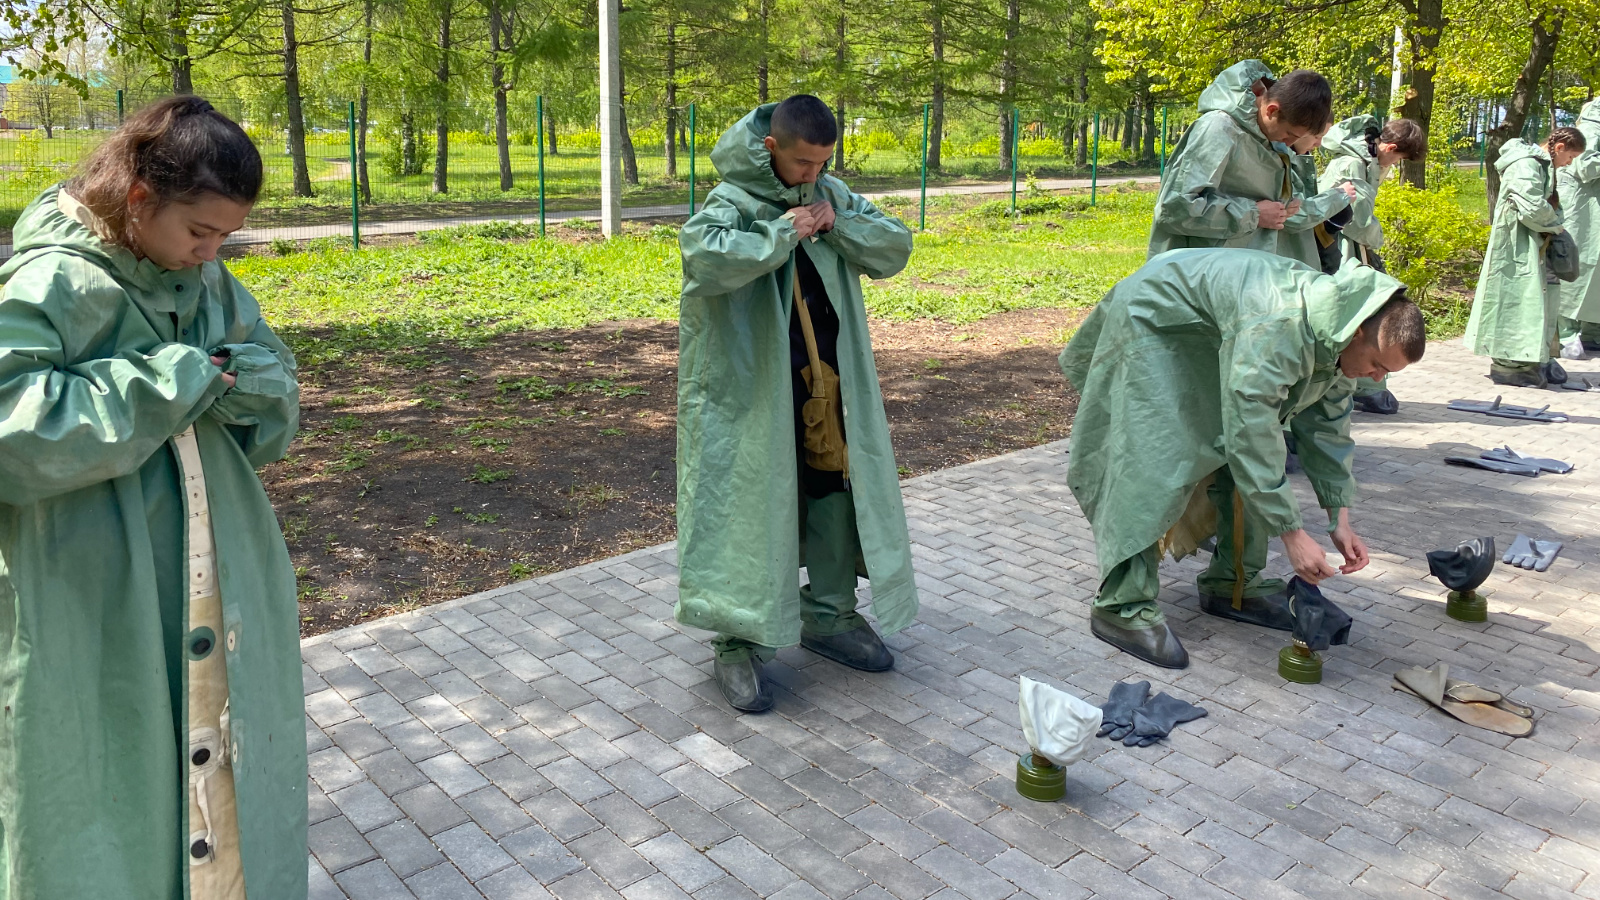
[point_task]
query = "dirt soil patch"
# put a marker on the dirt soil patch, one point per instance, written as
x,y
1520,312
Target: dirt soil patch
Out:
x,y
423,476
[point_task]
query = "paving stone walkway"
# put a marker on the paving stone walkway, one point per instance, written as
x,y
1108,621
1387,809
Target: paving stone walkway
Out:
x,y
562,736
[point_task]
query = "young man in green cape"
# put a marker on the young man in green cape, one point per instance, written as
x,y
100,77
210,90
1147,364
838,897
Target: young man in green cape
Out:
x,y
1188,372
757,498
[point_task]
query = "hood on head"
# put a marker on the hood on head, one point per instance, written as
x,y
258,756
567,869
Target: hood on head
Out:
x,y
1230,92
743,160
1345,300
1589,124
1517,150
1349,137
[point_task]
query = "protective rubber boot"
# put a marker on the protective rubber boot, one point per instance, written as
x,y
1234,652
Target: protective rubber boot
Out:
x,y
1268,610
1383,403
860,648
1553,373
1517,376
1152,643
742,685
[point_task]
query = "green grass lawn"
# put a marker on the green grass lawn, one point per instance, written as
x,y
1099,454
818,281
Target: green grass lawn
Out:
x,y
466,284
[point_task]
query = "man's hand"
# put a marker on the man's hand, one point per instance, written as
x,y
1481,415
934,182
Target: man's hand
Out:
x,y
228,377
1292,208
1350,544
805,221
1307,556
1272,214
1349,189
822,211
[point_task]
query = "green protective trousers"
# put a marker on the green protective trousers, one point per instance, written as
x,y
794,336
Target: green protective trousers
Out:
x,y
1571,328
828,603
1130,589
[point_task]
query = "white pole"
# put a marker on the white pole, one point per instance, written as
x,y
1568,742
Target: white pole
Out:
x,y
1395,100
610,119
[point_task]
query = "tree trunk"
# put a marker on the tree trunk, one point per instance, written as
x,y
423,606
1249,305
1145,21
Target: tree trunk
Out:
x,y
441,119
1008,85
361,108
1069,133
936,101
497,73
630,162
762,62
1088,117
670,136
1149,154
182,65
839,50
410,163
550,131
1130,126
1542,49
1422,34
292,101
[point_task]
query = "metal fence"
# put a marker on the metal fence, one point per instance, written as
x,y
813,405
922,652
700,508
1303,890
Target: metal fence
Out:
x,y
378,169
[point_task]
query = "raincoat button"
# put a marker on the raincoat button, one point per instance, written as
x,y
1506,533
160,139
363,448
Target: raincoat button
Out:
x,y
201,756
199,849
178,288
233,641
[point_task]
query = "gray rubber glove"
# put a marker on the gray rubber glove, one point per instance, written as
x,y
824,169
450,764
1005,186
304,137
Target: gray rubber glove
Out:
x,y
1117,715
1520,554
1543,463
1156,719
1545,554
1504,467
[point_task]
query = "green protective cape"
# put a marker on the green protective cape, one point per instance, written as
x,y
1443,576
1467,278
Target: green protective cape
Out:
x,y
1200,360
1221,167
1514,310
1351,161
738,491
1299,238
103,360
1579,188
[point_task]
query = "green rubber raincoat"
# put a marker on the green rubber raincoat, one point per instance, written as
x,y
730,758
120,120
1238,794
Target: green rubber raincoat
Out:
x,y
1223,165
1514,309
1351,161
1579,188
738,490
152,743
1317,205
1200,360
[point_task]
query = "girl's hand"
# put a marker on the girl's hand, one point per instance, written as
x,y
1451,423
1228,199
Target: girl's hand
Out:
x,y
228,377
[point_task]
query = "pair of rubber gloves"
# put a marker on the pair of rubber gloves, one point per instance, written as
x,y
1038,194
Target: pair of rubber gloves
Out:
x,y
1135,718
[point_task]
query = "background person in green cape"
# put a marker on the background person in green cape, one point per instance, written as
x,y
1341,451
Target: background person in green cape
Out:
x,y
1188,373
1362,154
1228,183
1323,211
153,737
751,508
1578,186
1517,301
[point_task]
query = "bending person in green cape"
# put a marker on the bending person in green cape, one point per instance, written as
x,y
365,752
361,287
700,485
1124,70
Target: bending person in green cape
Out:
x,y
1363,152
1518,299
778,467
1578,187
1188,372
152,745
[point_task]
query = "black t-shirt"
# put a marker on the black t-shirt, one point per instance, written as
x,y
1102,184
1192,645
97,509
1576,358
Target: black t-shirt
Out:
x,y
825,326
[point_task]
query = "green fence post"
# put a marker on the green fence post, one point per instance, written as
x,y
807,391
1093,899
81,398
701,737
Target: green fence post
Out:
x,y
119,106
1164,141
1016,151
539,111
1094,163
922,221
355,183
691,159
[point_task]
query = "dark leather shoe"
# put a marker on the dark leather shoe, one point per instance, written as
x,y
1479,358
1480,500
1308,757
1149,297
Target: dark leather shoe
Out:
x,y
742,685
1153,644
1382,403
1269,611
1553,372
860,648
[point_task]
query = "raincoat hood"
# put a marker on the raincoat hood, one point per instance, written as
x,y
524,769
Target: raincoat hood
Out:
x,y
45,225
1589,124
1349,137
743,160
1516,150
1230,92
1337,306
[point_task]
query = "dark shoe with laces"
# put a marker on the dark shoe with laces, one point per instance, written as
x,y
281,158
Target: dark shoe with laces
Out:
x,y
742,685
1151,643
1382,403
859,648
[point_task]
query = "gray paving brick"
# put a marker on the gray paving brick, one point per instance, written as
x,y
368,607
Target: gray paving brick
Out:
x,y
688,867
442,882
430,808
559,815
977,844
746,862
338,846
372,881
625,818
365,805
1037,879
611,859
893,873
512,884
404,848
893,831
822,868
538,851
472,851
